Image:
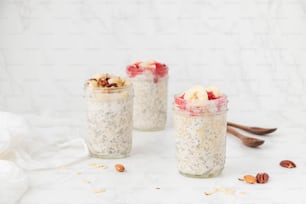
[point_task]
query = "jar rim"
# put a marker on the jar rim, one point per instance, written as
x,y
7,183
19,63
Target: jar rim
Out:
x,y
140,71
214,106
127,85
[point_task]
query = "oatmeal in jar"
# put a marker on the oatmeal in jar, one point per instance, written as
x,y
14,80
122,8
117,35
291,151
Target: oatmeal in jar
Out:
x,y
200,126
150,82
109,116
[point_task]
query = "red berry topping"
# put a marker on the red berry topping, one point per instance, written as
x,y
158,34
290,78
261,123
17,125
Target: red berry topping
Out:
x,y
157,69
180,102
133,70
161,69
211,95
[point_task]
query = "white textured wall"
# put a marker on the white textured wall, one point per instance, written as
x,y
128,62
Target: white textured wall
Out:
x,y
254,50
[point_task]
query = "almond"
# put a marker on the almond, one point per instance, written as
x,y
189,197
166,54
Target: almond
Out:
x,y
119,167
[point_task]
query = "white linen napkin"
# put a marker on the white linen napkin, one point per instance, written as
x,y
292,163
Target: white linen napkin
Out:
x,y
5,141
14,182
35,144
42,144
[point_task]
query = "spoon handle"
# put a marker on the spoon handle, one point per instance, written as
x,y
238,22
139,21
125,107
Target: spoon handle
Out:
x,y
253,130
234,133
242,127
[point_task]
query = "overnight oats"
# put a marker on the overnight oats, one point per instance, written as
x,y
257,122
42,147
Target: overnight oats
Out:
x,y
150,82
200,126
109,116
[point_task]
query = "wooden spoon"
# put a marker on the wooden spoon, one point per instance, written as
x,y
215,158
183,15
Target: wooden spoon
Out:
x,y
254,130
248,141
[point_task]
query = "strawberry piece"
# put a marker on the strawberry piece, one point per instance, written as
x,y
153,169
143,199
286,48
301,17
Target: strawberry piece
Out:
x,y
180,102
211,95
161,69
133,70
137,63
158,70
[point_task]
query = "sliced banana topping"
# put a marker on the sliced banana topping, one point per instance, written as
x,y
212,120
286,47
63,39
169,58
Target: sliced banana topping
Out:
x,y
100,76
92,83
106,80
196,94
116,80
148,64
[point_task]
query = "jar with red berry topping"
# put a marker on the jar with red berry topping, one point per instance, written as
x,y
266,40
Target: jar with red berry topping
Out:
x,y
200,128
109,116
150,82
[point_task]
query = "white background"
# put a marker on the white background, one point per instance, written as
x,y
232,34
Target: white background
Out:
x,y
253,50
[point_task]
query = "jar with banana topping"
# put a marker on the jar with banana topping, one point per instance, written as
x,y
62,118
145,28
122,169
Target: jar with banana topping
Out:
x,y
150,82
200,128
109,116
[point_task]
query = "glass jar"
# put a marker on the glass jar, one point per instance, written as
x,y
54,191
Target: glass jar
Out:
x,y
150,100
109,121
200,137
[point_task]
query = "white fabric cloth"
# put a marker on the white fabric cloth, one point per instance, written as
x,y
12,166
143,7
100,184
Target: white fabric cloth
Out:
x,y
50,143
10,124
5,141
14,182
47,144
48,147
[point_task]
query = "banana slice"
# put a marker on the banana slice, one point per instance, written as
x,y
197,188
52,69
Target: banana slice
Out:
x,y
92,83
196,94
116,80
98,76
148,65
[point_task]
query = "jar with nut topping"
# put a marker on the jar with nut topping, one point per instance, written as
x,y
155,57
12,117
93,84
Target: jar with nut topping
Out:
x,y
150,82
109,116
200,127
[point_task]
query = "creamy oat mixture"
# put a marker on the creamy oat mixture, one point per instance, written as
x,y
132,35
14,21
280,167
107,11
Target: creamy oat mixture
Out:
x,y
150,82
200,124
109,116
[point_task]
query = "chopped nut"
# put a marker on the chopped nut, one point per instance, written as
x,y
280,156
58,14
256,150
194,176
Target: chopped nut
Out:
x,y
64,168
101,166
210,192
112,85
227,191
98,166
100,190
106,81
102,82
86,181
